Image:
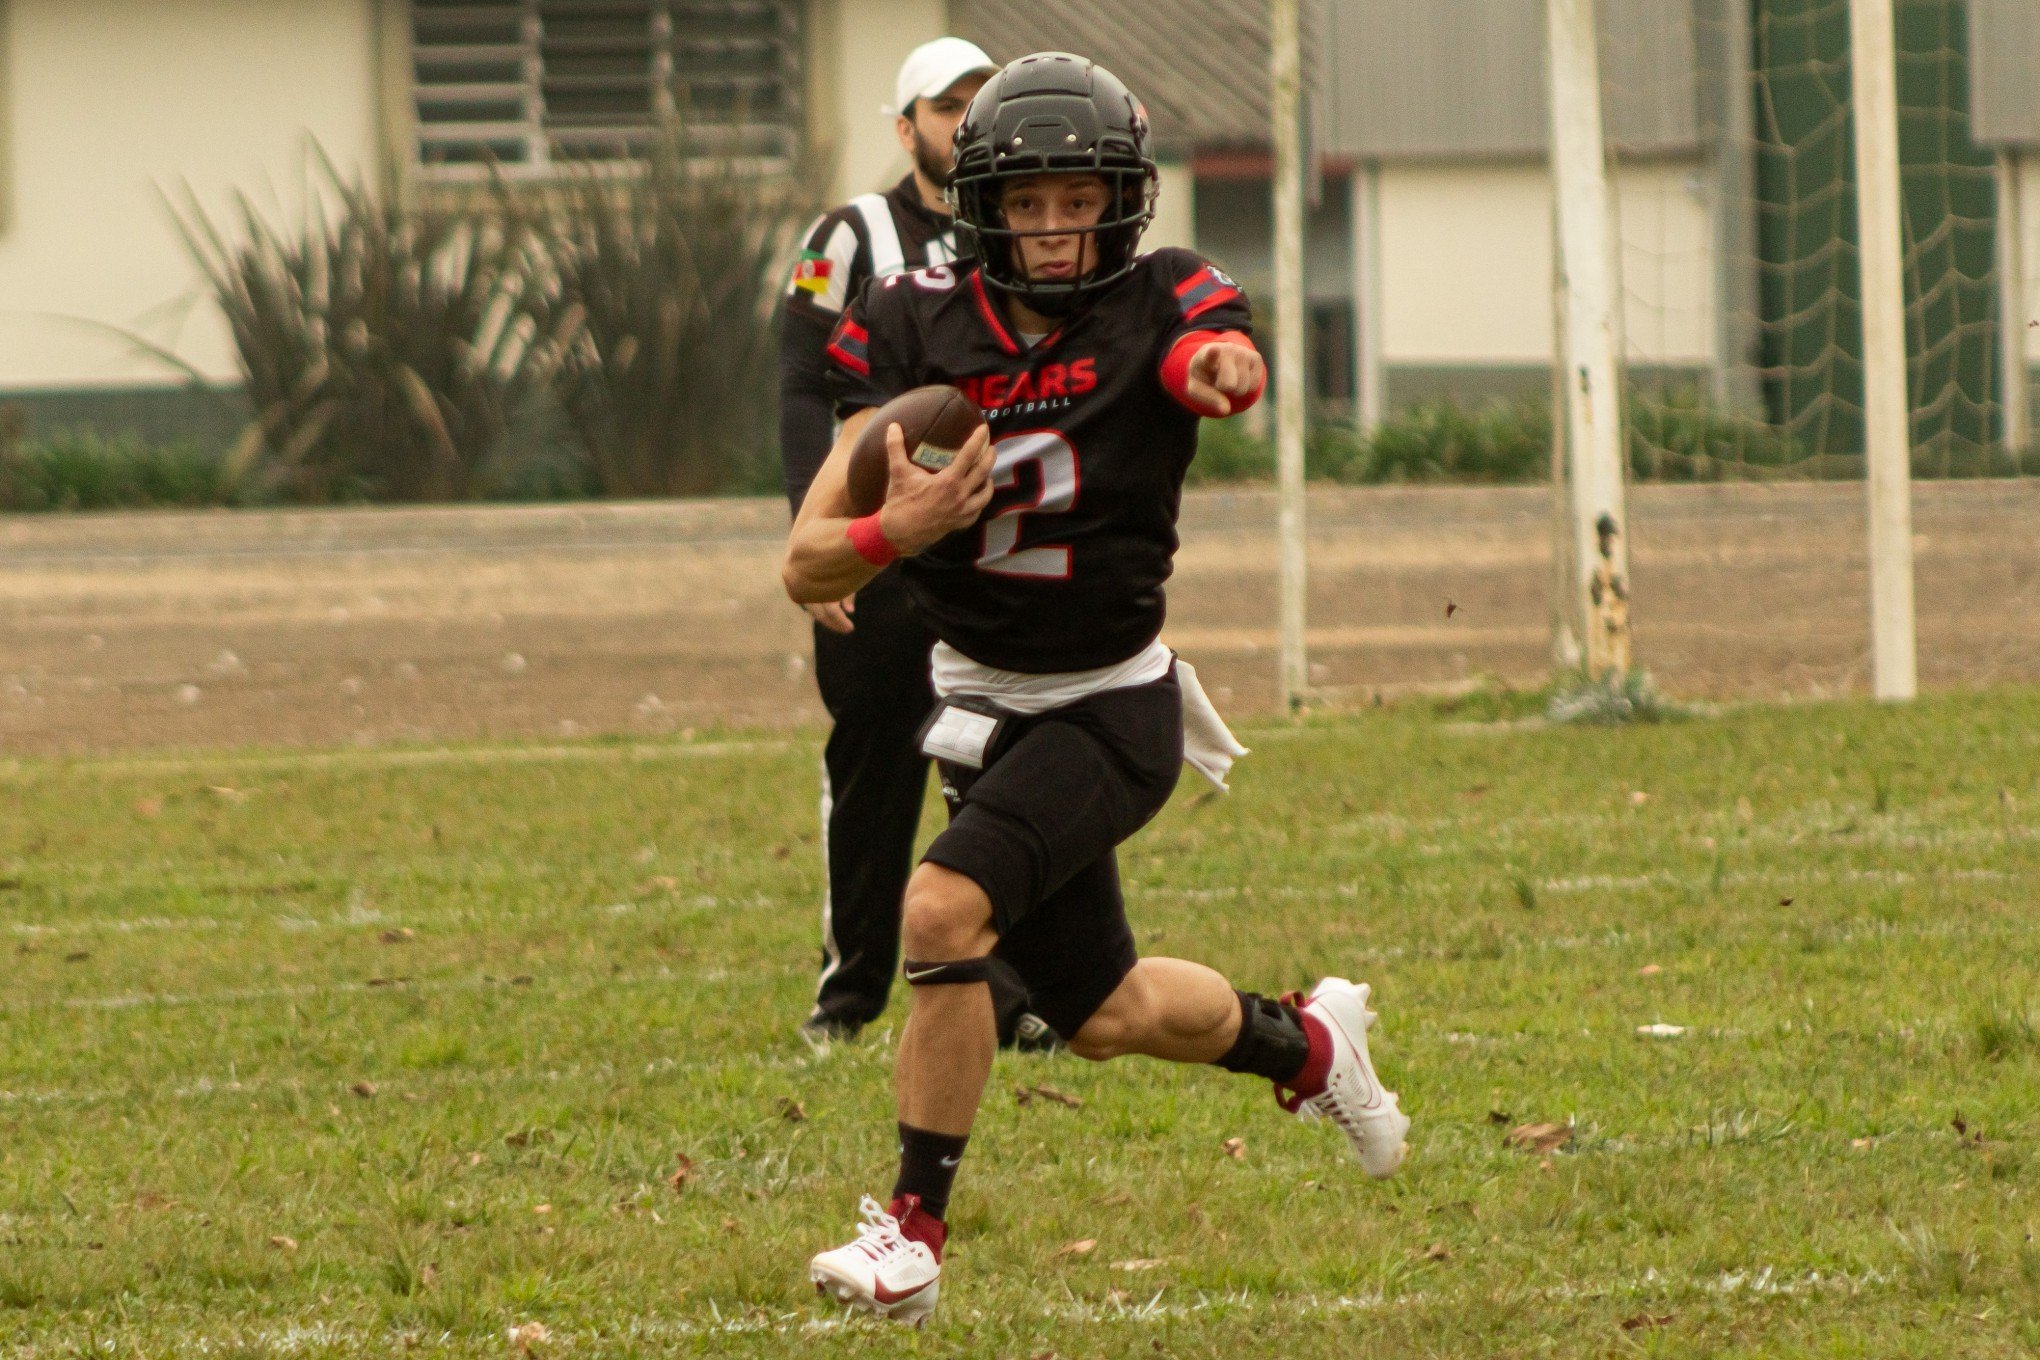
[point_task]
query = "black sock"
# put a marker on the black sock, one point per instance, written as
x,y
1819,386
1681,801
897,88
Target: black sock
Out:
x,y
1272,1043
928,1167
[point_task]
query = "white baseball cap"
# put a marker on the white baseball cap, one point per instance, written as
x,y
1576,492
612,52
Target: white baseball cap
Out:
x,y
934,66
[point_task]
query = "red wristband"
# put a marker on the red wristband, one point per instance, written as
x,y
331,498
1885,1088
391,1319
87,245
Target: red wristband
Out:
x,y
870,541
1176,370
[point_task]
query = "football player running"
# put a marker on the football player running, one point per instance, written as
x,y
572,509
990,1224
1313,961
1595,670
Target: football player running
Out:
x,y
1038,557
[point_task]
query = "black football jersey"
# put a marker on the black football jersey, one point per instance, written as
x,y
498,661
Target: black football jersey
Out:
x,y
1064,570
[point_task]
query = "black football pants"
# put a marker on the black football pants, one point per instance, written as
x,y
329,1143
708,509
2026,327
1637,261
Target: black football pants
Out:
x,y
874,682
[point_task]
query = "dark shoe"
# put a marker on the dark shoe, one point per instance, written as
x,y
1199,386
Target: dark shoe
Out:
x,y
1031,1034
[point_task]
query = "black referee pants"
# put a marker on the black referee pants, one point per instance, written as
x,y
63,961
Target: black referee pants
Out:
x,y
874,682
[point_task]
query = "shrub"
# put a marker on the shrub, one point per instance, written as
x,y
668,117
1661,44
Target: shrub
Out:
x,y
388,349
671,280
81,470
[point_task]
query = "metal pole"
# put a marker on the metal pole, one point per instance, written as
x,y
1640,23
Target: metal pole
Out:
x,y
2013,311
1588,336
1285,71
1873,64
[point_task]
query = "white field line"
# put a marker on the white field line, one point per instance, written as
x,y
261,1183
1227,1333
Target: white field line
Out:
x,y
406,758
359,917
236,996
1582,883
1755,1283
398,1085
1848,932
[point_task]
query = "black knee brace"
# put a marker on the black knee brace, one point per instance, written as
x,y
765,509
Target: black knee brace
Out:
x,y
946,974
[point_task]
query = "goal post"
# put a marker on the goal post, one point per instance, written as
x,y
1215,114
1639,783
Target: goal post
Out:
x,y
1873,66
1589,376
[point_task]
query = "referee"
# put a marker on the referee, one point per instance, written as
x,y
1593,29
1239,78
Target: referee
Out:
x,y
871,653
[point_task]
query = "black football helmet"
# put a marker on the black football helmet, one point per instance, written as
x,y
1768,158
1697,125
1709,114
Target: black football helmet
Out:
x,y
1045,114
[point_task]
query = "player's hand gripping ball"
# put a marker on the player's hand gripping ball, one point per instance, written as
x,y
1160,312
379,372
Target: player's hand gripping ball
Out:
x,y
935,423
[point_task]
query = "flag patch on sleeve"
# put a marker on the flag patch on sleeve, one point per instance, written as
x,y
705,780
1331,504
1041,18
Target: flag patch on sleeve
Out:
x,y
811,273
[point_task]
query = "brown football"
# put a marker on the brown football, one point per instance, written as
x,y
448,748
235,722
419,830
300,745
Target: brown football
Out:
x,y
935,421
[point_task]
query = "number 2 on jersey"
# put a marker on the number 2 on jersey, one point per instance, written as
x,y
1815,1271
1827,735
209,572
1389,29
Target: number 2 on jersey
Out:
x,y
1058,462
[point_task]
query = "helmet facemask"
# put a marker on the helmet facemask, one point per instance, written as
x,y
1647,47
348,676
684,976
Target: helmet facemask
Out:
x,y
1109,245
1052,114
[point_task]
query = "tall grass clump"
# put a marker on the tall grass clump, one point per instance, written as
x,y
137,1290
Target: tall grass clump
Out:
x,y
390,349
670,276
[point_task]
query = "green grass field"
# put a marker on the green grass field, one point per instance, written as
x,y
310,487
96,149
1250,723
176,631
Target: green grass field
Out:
x,y
381,1052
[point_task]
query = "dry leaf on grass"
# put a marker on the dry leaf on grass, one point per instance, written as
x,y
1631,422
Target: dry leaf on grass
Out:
x,y
1437,1251
227,794
283,1244
364,1089
1637,798
791,1110
1649,970
1862,1142
1643,1320
428,1275
541,1208
1235,1148
1538,1137
398,935
1141,1263
1083,1246
529,1334
685,1172
1059,1097
659,883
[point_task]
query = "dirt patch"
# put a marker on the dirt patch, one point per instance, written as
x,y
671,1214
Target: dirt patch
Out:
x,y
370,626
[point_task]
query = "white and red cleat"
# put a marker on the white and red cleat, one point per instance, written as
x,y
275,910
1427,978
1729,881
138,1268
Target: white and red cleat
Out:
x,y
1353,1097
885,1271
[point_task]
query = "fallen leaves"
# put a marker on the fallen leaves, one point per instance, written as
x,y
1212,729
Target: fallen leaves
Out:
x,y
1645,1320
398,935
1649,970
1538,1137
657,883
1026,1095
526,1335
1450,609
1436,1251
1235,1148
364,1089
791,1110
1141,1263
682,1173
286,1245
1083,1246
1637,798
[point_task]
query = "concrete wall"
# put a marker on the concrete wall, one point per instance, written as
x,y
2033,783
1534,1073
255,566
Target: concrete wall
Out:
x,y
1467,264
855,49
105,101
